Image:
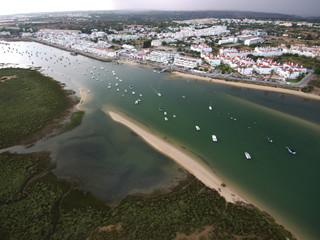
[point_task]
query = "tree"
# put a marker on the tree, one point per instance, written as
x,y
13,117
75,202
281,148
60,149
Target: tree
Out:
x,y
309,37
147,44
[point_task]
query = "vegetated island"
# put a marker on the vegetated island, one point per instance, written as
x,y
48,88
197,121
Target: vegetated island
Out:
x,y
35,204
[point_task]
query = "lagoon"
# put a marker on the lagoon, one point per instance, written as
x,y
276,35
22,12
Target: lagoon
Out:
x,y
110,161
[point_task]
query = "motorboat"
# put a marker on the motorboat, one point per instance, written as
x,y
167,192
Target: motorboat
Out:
x,y
269,139
197,128
210,108
248,156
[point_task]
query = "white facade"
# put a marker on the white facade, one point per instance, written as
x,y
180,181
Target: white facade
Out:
x,y
251,41
187,62
160,56
288,73
245,70
201,48
156,43
228,40
262,69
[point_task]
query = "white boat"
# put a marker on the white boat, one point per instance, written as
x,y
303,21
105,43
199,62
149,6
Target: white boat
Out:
x,y
291,150
159,94
248,156
197,128
214,138
210,108
165,113
165,118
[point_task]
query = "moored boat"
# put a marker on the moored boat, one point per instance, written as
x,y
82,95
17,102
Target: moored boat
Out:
x,y
290,150
248,156
214,138
197,128
269,139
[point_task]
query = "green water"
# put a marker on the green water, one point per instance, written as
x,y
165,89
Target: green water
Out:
x,y
111,161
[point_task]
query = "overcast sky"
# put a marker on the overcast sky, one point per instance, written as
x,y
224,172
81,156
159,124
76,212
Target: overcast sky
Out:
x,y
297,7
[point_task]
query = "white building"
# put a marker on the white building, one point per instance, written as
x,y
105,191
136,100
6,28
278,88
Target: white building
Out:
x,y
202,47
245,70
156,43
262,69
268,51
228,40
187,62
288,73
160,56
127,46
251,41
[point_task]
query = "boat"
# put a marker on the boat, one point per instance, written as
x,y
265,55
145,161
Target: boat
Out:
x,y
165,113
160,109
197,128
292,151
165,118
210,108
159,94
269,139
248,156
214,138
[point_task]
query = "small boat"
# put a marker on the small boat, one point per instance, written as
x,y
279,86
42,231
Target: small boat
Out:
x,y
197,128
160,109
130,86
290,150
165,118
174,116
269,139
210,108
159,94
165,113
247,155
214,138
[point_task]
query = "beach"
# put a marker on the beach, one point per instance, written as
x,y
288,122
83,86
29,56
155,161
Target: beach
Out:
x,y
180,156
245,85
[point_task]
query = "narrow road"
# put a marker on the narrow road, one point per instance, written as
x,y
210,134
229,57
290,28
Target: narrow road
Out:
x,y
305,80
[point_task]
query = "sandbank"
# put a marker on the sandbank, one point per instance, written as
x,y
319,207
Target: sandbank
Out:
x,y
247,85
180,156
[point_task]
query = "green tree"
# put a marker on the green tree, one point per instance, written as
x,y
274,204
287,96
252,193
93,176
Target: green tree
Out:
x,y
147,44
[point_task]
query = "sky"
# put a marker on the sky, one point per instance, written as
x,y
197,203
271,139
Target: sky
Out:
x,y
295,7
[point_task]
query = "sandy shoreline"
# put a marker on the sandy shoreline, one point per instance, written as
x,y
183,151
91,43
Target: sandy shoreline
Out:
x,y
246,85
191,164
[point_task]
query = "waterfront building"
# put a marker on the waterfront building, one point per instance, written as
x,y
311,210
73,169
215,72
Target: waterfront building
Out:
x,y
160,56
187,62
